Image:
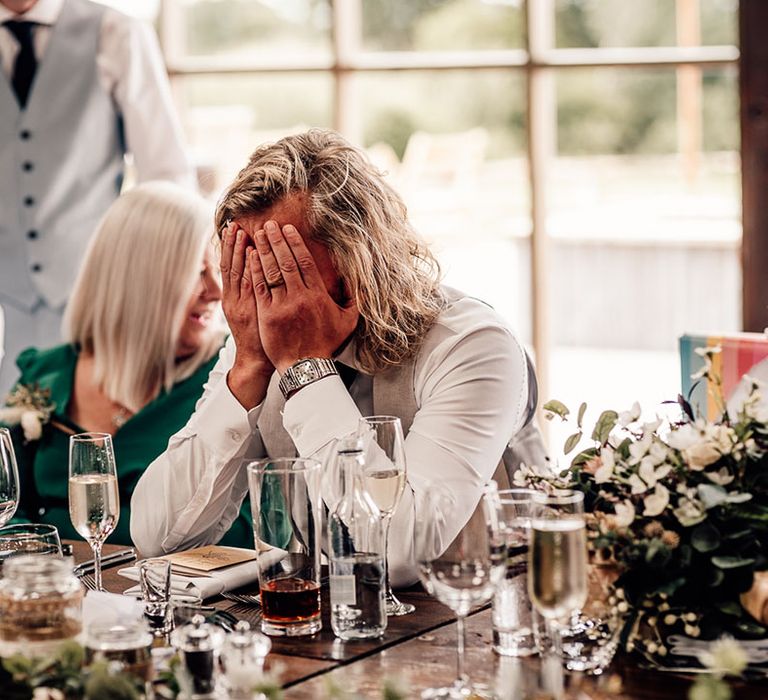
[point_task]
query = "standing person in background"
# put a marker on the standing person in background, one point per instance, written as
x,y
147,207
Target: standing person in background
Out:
x,y
81,85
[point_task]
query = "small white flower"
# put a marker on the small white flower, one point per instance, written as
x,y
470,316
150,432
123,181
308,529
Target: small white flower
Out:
x,y
721,477
657,501
11,415
689,511
625,513
725,656
31,425
631,416
637,484
701,455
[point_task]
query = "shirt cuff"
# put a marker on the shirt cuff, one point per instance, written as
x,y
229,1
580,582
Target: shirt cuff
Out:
x,y
318,413
222,423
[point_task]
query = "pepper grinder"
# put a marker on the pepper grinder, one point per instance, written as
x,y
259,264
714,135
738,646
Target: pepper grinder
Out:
x,y
242,659
198,644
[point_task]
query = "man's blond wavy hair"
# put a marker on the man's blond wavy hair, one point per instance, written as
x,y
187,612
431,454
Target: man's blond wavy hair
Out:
x,y
362,221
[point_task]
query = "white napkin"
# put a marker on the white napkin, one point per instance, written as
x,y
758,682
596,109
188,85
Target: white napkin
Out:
x,y
214,582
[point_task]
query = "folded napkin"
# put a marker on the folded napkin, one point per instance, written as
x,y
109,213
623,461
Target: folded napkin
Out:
x,y
755,600
187,587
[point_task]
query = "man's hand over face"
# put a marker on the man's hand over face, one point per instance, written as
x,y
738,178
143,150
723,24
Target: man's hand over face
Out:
x,y
298,318
239,302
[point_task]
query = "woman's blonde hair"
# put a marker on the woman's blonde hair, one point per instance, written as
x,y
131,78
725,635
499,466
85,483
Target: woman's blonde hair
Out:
x,y
129,299
362,221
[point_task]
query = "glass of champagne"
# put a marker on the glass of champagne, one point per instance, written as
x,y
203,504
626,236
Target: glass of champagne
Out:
x,y
9,478
94,501
557,569
466,573
384,479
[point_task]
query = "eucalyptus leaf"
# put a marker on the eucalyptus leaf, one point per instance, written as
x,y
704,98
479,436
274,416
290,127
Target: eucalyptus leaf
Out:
x,y
751,629
732,562
738,497
557,407
571,442
705,538
582,411
605,423
732,608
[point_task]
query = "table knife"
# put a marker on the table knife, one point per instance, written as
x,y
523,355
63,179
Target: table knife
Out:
x,y
107,561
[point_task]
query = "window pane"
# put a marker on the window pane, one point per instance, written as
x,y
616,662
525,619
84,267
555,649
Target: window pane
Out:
x,y
612,23
645,221
252,30
454,146
435,25
226,117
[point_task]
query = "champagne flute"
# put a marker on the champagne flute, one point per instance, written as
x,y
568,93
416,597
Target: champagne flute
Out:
x,y
557,570
9,478
463,575
94,502
384,479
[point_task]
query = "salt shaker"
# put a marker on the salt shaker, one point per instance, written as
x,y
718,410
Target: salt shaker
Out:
x,y
242,659
198,644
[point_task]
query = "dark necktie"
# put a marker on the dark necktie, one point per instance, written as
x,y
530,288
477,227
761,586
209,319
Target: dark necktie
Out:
x,y
26,62
347,374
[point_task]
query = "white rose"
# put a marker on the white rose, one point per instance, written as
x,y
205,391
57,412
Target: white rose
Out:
x,y
31,425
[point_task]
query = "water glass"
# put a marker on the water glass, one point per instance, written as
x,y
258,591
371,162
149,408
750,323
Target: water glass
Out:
x,y
285,505
29,538
155,582
513,628
9,477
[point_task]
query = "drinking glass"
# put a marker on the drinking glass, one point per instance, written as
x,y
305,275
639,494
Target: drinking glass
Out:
x,y
557,568
29,538
384,479
155,582
128,643
94,501
512,613
463,575
285,505
9,477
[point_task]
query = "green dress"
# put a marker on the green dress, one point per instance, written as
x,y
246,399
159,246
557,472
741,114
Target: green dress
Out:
x,y
43,464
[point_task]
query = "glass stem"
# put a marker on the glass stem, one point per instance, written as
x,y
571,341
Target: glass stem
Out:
x,y
96,547
461,678
388,594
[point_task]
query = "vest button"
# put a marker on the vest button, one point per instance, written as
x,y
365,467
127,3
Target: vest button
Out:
x,y
27,166
25,134
29,201
36,267
32,235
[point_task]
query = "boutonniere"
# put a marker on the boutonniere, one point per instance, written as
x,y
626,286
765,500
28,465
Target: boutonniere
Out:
x,y
30,406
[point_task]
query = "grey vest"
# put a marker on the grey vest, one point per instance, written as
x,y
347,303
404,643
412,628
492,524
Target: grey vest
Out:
x,y
61,163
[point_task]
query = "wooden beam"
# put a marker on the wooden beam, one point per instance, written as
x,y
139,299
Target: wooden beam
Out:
x,y
753,85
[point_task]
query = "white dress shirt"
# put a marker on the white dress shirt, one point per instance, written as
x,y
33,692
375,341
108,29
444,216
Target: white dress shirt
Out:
x,y
471,389
132,71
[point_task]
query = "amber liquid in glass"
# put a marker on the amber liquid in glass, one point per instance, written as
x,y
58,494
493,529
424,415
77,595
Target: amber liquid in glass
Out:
x,y
290,600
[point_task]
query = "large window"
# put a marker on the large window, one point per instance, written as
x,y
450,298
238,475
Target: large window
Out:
x,y
573,162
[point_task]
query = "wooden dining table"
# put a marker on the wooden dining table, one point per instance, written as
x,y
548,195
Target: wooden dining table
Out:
x,y
418,651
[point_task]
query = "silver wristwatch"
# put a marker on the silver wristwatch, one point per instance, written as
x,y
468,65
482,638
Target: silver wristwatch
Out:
x,y
305,372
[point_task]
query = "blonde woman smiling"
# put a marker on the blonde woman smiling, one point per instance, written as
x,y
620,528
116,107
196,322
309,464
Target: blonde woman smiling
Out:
x,y
144,326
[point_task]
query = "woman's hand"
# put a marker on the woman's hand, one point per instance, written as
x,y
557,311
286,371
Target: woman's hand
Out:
x,y
298,318
252,369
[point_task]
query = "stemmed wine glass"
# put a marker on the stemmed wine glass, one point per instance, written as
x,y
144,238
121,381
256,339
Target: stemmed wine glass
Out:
x,y
384,479
9,478
557,569
94,501
463,575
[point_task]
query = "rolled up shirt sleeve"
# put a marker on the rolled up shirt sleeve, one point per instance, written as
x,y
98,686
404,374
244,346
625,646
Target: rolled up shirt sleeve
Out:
x,y
190,495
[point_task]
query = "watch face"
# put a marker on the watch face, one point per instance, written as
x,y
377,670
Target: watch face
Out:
x,y
305,372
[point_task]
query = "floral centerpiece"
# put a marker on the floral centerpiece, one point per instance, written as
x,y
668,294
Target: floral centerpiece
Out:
x,y
681,509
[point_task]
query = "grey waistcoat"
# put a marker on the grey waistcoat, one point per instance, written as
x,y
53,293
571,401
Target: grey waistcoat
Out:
x,y
61,163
